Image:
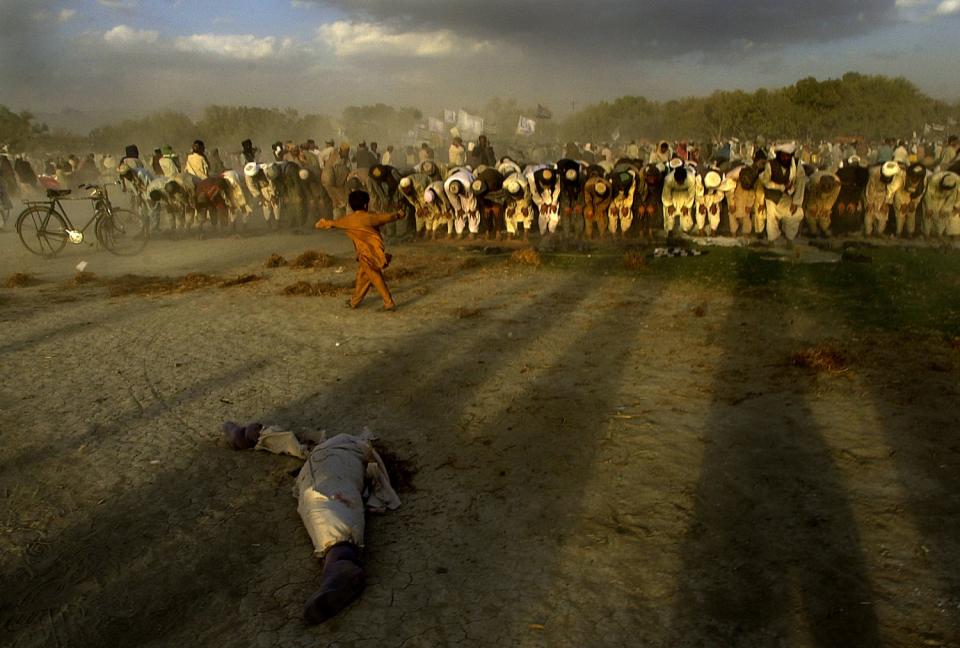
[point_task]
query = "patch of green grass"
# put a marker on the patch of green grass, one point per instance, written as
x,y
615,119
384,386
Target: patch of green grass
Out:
x,y
906,289
903,289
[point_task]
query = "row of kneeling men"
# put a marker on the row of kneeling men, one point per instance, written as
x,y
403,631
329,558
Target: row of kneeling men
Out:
x,y
770,196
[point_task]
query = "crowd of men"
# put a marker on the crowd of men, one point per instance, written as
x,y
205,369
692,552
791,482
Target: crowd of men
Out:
x,y
748,189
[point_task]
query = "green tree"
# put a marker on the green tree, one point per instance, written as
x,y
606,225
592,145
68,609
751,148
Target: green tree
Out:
x,y
18,131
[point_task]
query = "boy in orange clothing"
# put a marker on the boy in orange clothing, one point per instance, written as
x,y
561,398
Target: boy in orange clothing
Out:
x,y
363,228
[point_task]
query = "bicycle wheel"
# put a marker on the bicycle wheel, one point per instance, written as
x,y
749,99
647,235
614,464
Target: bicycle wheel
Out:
x,y
42,231
122,232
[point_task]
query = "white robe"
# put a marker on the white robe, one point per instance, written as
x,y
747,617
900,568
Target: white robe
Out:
x,y
466,212
342,478
678,198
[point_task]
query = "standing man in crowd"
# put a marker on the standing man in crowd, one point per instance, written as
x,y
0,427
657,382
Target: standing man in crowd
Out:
x,y
155,161
334,179
485,154
248,152
949,153
197,163
457,154
365,158
169,164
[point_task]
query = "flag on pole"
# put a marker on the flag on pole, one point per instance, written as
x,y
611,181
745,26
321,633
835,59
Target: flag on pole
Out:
x,y
468,123
526,126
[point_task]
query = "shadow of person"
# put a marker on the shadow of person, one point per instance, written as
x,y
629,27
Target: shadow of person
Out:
x,y
772,554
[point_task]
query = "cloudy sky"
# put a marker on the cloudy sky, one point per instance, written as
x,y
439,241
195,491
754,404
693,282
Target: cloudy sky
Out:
x,y
134,56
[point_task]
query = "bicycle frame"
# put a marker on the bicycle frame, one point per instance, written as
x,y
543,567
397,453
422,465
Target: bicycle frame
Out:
x,y
101,208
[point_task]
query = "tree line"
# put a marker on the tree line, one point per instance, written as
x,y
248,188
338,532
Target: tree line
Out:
x,y
855,105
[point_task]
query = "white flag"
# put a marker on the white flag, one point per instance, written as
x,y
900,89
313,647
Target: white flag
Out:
x,y
468,123
526,126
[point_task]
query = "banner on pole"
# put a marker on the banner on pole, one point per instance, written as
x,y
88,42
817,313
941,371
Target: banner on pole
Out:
x,y
468,123
526,126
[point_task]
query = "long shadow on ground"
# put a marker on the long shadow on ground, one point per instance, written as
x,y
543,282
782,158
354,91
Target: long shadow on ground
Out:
x,y
772,554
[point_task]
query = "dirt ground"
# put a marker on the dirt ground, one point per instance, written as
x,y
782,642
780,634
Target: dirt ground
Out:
x,y
605,456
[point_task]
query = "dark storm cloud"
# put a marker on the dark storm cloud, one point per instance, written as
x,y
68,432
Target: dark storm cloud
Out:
x,y
27,50
651,28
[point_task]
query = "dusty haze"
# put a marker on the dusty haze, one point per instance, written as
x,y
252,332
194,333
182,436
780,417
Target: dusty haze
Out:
x,y
104,57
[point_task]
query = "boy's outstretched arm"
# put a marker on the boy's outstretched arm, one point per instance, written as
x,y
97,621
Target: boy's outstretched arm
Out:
x,y
383,219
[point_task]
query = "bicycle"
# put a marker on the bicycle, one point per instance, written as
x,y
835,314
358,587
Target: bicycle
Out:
x,y
44,227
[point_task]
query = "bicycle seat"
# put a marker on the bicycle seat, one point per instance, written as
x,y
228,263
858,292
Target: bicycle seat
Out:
x,y
57,193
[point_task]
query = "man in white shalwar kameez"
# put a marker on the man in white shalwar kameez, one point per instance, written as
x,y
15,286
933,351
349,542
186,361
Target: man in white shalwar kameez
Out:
x,y
885,182
466,212
679,197
342,478
941,205
784,186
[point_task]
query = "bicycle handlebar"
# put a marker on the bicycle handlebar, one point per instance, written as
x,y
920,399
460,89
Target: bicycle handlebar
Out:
x,y
98,186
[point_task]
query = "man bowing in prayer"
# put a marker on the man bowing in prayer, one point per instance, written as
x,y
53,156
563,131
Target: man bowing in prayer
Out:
x,y
363,228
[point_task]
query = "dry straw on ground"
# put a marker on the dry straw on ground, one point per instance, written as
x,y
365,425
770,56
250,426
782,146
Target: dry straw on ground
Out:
x,y
313,259
275,261
399,274
821,359
82,278
131,284
240,280
21,280
527,256
317,289
634,261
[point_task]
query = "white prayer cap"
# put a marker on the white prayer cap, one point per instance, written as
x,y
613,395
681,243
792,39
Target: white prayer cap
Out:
x,y
890,169
600,187
787,147
571,174
427,195
405,183
251,169
854,160
303,173
675,163
512,186
712,180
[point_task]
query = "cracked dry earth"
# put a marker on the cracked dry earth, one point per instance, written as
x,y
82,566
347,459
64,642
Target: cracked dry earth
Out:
x,y
602,460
